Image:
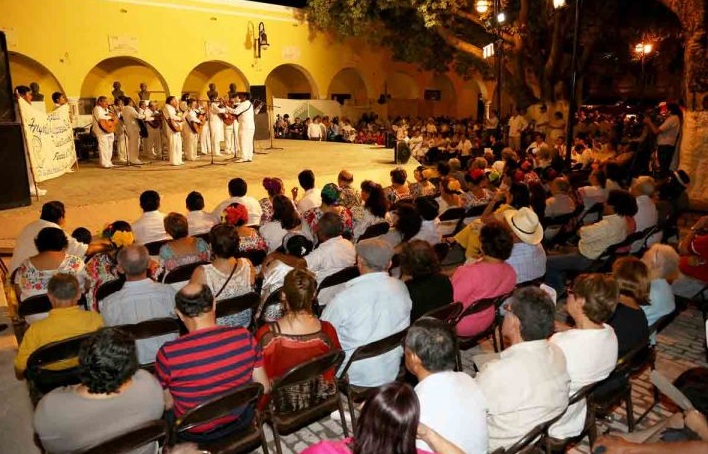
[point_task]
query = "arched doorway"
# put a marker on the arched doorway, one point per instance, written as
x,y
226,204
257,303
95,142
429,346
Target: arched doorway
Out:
x,y
130,72
404,95
291,81
214,72
25,70
442,95
348,85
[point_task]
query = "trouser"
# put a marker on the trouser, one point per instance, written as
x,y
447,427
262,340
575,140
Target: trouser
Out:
x,y
515,143
189,144
245,142
205,140
229,139
133,145
122,145
105,148
152,143
174,142
215,135
665,154
557,265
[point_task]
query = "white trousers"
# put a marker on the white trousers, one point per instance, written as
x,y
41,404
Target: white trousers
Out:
x,y
133,145
105,148
152,143
245,143
229,138
122,140
174,143
205,140
189,143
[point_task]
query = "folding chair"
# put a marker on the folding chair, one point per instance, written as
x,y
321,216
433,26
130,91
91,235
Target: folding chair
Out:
x,y
151,432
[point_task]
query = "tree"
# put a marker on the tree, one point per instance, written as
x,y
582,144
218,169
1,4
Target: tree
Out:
x,y
441,35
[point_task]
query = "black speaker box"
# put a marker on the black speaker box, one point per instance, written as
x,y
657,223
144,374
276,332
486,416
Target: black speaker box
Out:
x,y
258,92
7,105
14,183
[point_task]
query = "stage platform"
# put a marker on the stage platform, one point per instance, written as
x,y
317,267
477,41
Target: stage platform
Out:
x,y
94,196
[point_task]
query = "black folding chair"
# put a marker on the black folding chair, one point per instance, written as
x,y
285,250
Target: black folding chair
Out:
x,y
151,432
182,273
106,289
238,304
152,328
447,313
338,278
375,230
154,247
256,256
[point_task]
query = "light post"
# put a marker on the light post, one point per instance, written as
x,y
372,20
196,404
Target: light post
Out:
x,y
642,50
495,49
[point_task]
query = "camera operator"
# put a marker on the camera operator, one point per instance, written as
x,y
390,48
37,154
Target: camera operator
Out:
x,y
666,137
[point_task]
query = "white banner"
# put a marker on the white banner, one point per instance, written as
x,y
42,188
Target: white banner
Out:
x,y
304,108
50,141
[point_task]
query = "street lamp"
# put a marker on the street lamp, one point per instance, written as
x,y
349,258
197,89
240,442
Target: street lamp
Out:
x,y
572,102
642,50
482,6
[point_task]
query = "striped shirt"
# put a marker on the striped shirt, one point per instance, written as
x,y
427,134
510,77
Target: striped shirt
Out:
x,y
204,364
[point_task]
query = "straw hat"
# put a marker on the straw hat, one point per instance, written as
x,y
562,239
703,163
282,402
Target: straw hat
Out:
x,y
524,223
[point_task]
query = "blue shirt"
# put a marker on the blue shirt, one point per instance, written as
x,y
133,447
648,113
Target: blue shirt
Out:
x,y
661,302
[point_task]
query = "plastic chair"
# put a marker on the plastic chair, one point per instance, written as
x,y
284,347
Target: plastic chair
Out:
x,y
240,442
153,431
375,230
289,422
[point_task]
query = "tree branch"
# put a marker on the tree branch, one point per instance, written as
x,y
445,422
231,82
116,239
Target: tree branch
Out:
x,y
458,43
507,37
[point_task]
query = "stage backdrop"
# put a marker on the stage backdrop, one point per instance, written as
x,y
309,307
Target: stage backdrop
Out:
x,y
50,141
304,108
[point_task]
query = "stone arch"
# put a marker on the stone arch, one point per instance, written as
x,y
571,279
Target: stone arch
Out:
x,y
349,81
130,72
402,86
24,70
217,72
290,80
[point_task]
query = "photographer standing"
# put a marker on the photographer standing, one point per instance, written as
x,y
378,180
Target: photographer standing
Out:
x,y
666,137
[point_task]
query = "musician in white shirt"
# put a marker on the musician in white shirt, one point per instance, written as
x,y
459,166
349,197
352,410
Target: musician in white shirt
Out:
x,y
205,135
173,132
216,126
132,129
230,133
190,137
153,143
105,139
245,114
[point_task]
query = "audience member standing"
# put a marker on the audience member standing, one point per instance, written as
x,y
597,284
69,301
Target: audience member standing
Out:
x,y
150,227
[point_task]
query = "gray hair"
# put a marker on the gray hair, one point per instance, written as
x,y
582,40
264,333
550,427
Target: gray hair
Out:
x,y
134,259
662,261
434,343
63,287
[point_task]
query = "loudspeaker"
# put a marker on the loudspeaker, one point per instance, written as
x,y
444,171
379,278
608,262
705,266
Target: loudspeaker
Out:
x,y
402,153
14,190
7,104
258,92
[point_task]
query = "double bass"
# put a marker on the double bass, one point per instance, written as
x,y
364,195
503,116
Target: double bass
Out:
x,y
109,126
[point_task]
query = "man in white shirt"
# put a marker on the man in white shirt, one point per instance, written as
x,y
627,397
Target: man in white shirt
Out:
x,y
190,136
216,125
314,132
130,117
311,198
371,307
647,215
139,300
53,215
517,124
105,139
173,131
451,403
528,258
529,382
245,113
537,144
560,202
152,147
237,190
150,227
198,220
666,137
205,135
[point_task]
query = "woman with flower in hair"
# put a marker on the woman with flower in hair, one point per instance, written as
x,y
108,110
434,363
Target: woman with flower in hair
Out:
x,y
249,239
422,186
451,195
330,204
101,267
274,187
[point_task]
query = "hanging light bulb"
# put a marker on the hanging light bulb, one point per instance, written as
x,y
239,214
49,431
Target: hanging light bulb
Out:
x,y
558,3
482,6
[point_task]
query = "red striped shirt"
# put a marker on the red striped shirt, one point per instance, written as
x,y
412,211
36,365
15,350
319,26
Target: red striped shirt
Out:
x,y
205,363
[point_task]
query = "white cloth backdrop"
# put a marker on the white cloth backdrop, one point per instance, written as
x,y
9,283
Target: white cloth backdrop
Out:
x,y
50,141
304,108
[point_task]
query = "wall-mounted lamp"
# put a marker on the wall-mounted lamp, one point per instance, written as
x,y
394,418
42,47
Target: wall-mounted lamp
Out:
x,y
262,39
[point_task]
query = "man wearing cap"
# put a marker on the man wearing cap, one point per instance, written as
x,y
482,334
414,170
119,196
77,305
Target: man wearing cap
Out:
x,y
371,307
528,258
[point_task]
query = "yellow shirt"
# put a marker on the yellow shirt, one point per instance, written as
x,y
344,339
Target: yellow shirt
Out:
x,y
468,237
62,323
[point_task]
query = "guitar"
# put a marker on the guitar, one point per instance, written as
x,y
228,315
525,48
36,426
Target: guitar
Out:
x,y
227,118
109,126
197,127
156,122
175,126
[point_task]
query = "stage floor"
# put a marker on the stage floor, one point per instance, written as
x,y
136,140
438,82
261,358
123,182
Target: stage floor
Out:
x,y
94,196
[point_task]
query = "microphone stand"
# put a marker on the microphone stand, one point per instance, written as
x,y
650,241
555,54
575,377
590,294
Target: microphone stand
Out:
x,y
270,124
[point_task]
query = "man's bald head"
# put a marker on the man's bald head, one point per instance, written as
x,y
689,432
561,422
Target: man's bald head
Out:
x,y
134,260
194,300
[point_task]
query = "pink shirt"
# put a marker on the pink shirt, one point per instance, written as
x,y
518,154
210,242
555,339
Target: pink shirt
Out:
x,y
338,447
479,280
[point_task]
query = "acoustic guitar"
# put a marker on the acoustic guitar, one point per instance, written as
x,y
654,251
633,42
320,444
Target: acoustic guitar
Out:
x,y
197,127
175,126
109,126
227,118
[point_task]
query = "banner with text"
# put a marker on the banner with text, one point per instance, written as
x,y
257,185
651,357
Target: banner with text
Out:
x,y
50,141
304,108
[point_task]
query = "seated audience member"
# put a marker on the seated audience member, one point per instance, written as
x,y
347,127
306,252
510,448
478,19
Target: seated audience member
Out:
x,y
456,171
53,215
647,215
662,262
113,398
227,276
311,198
428,287
183,249
590,348
139,300
594,239
298,336
374,209
237,194
478,183
535,367
693,263
406,223
430,226
249,238
371,307
451,195
207,361
422,186
560,202
528,258
150,226
389,423
274,274
333,254
507,155
82,235
66,319
451,403
285,220
595,193
582,156
488,277
614,176
198,221
330,196
274,187
349,196
399,188
628,320
34,274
